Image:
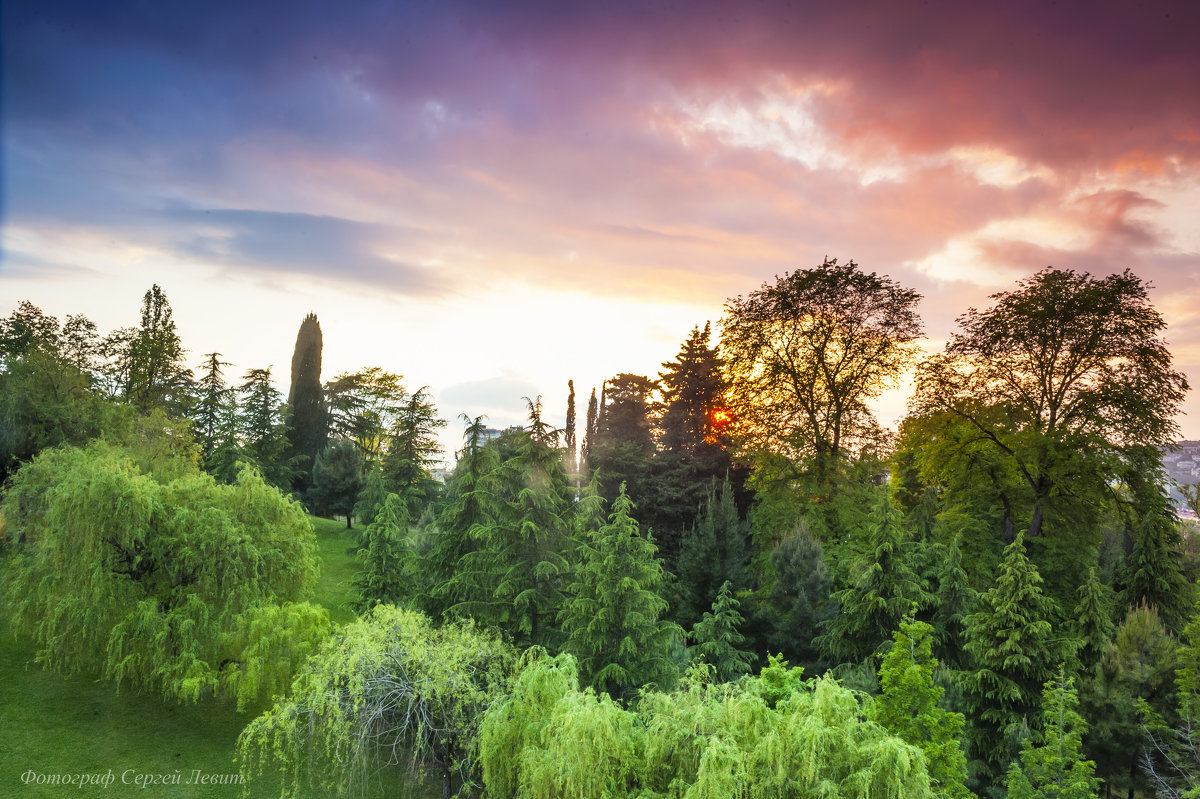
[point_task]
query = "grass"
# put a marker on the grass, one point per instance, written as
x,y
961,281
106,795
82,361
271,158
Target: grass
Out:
x,y
55,724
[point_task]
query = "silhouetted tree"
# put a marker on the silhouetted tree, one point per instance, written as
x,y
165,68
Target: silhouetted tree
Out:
x,y
309,428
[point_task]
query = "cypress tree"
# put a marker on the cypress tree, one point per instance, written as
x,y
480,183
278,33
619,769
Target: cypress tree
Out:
x,y
569,434
612,618
589,434
717,638
1012,643
310,421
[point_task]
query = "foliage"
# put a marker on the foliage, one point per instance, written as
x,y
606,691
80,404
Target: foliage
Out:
x,y
1153,574
212,397
309,424
1092,620
1055,769
571,462
717,639
388,559
263,429
908,708
955,601
155,376
883,585
1013,647
805,355
801,596
713,553
549,739
337,479
412,449
181,586
390,689
611,618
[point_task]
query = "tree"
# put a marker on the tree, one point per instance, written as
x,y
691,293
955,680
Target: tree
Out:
x,y
309,424
160,578
363,407
1153,572
802,596
412,449
624,445
717,639
693,390
156,376
908,708
1064,377
572,464
337,479
611,617
391,690
1012,642
589,437
805,355
1055,769
262,428
388,560
1092,621
212,395
955,601
714,552
883,585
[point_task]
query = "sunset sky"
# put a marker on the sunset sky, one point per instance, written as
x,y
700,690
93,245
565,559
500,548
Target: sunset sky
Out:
x,y
491,198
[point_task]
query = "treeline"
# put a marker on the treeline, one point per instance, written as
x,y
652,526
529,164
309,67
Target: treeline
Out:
x,y
997,598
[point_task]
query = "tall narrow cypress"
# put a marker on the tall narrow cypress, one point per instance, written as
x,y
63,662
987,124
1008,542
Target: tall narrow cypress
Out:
x,y
310,423
589,433
569,432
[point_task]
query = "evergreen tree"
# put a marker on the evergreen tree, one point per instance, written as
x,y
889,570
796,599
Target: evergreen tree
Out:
x,y
1092,620
516,573
1055,769
612,618
589,434
212,394
801,597
371,498
908,708
717,639
156,376
713,553
569,431
692,389
337,479
413,449
309,421
883,585
388,559
1013,646
262,428
955,601
1153,574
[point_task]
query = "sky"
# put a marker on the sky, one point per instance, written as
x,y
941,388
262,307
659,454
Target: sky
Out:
x,y
491,198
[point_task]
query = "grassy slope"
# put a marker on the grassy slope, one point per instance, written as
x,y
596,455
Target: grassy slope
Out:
x,y
55,724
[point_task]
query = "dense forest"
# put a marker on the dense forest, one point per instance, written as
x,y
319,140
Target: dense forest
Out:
x,y
724,580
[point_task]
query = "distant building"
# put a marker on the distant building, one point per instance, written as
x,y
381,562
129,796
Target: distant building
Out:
x,y
1182,464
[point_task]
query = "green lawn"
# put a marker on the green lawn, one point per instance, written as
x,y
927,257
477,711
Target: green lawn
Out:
x,y
51,724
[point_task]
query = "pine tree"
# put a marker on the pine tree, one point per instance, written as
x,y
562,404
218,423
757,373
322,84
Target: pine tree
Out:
x,y
211,397
1092,620
908,707
1012,644
801,597
612,618
388,559
1152,573
310,422
717,639
883,585
413,449
713,553
262,429
955,601
1052,764
569,431
692,388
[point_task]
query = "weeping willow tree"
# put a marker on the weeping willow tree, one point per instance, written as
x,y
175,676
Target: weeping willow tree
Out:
x,y
389,691
767,736
186,587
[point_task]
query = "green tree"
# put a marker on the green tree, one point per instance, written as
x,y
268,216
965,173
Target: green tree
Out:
x,y
624,444
156,375
883,585
1153,572
363,407
1062,377
589,434
1012,643
263,429
908,708
391,690
1092,621
412,450
717,639
309,424
572,463
388,560
611,619
160,578
801,596
212,395
1052,764
804,357
713,553
954,602
337,480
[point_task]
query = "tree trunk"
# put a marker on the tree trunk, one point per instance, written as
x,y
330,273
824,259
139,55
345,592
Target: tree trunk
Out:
x,y
348,517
